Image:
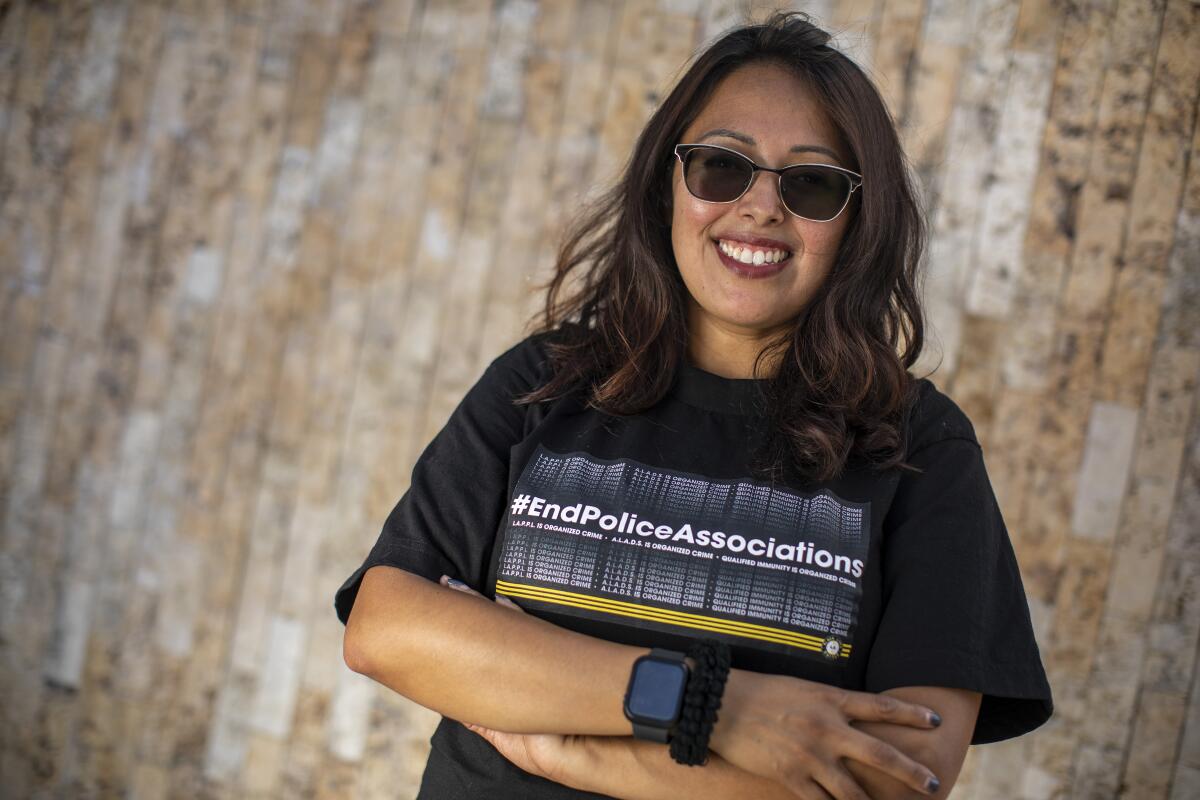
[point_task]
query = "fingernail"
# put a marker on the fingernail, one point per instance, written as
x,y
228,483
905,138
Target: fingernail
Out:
x,y
456,583
932,784
934,719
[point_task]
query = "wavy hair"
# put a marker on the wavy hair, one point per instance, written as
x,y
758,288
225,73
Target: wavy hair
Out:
x,y
841,389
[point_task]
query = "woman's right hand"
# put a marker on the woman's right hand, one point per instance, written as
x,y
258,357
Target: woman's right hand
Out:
x,y
796,732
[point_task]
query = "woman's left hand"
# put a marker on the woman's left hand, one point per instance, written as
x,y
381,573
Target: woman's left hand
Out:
x,y
546,755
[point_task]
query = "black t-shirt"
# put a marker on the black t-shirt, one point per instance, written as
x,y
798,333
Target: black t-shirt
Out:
x,y
649,530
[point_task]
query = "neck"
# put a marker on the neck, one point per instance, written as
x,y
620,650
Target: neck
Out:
x,y
727,351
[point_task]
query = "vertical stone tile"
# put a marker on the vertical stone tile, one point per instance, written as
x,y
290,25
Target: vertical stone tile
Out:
x,y
263,772
1112,691
895,53
935,78
395,18
1105,197
1048,773
1006,207
1185,783
1008,445
856,23
1180,323
397,744
1141,540
1154,204
976,380
1078,608
227,740
1104,474
68,649
1175,620
972,130
595,40
42,133
37,126
967,782
1155,738
349,714
12,30
1097,772
1001,769
508,157
279,679
1037,26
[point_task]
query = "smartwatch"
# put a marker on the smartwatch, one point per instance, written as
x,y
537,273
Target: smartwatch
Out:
x,y
655,694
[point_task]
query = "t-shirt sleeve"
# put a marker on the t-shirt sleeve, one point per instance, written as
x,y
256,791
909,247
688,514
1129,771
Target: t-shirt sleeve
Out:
x,y
954,607
445,523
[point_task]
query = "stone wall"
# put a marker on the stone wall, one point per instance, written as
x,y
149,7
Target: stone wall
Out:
x,y
253,253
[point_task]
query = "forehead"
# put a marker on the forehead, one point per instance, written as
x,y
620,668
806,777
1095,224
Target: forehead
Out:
x,y
772,106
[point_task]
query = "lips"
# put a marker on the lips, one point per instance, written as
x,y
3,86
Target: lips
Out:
x,y
764,270
757,242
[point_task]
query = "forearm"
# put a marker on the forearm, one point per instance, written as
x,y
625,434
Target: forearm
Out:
x,y
472,660
632,769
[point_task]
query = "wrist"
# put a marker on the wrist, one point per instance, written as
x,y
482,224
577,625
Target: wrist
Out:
x,y
580,762
731,704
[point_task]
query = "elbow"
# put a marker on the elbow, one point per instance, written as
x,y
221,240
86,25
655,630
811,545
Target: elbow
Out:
x,y
354,650
352,655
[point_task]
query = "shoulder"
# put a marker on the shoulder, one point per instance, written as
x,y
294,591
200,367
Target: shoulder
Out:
x,y
527,363
935,417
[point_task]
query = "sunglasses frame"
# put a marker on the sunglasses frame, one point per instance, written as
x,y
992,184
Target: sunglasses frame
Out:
x,y
681,151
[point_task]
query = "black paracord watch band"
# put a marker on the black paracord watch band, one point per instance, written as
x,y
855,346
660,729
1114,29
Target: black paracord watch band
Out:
x,y
701,700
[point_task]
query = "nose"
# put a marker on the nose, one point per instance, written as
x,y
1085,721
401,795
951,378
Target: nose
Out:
x,y
762,201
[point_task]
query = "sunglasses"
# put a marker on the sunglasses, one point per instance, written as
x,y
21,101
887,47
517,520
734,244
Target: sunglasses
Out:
x,y
816,192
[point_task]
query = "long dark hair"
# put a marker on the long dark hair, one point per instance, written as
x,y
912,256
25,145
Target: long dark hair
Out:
x,y
841,390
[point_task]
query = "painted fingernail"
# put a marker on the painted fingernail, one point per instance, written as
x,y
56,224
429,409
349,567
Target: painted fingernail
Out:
x,y
457,584
934,719
932,784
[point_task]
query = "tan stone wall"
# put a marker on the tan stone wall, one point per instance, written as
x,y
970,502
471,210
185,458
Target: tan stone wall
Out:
x,y
244,283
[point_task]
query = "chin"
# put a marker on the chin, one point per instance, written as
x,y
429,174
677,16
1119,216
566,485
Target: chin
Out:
x,y
761,321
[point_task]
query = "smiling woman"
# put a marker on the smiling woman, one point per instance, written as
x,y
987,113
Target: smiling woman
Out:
x,y
735,523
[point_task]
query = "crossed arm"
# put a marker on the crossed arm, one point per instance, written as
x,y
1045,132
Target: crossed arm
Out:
x,y
448,640
630,769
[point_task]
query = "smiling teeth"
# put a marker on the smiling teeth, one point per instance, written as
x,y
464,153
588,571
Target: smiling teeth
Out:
x,y
748,256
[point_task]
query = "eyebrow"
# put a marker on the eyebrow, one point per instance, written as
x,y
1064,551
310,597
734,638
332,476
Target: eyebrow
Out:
x,y
744,139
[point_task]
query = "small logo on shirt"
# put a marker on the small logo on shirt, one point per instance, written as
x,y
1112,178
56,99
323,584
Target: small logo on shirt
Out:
x,y
832,648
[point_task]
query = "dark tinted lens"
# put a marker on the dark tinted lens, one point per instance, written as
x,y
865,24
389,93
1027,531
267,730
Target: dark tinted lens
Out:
x,y
715,175
815,192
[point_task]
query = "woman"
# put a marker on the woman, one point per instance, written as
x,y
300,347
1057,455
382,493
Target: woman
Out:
x,y
710,455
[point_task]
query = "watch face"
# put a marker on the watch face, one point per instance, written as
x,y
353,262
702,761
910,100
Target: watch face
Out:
x,y
657,691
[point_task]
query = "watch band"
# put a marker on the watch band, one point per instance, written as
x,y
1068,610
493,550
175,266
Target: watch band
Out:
x,y
651,733
702,699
